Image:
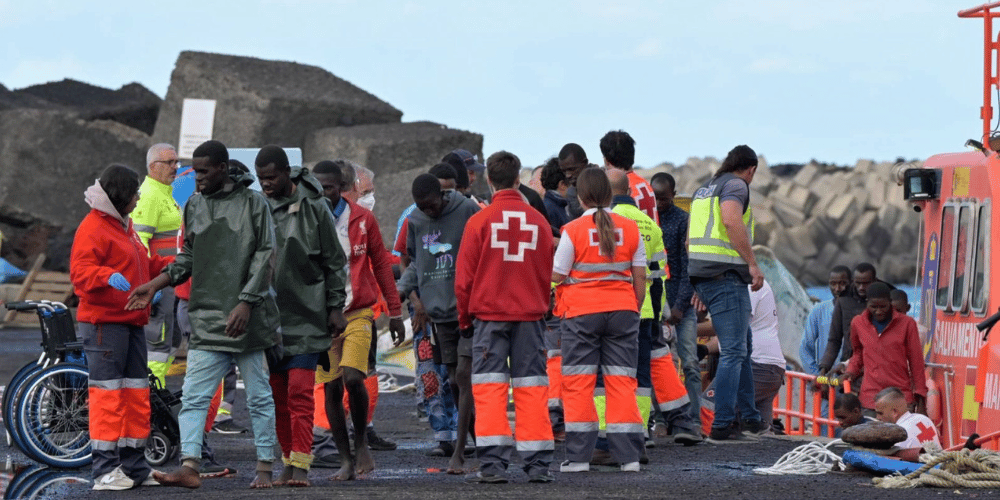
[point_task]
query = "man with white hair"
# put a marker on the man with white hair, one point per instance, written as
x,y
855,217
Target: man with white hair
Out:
x,y
363,192
157,219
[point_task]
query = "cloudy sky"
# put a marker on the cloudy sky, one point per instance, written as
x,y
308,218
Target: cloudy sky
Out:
x,y
795,79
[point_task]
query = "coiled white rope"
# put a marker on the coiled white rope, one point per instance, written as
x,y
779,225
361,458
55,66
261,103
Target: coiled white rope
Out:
x,y
809,459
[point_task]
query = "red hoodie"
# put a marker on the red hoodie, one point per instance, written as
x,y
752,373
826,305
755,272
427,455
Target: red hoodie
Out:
x,y
504,267
102,247
368,254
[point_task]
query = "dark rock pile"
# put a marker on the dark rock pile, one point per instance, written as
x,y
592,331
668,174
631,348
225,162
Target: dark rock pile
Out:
x,y
55,138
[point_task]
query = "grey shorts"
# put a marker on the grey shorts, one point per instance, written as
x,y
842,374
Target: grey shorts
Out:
x,y
450,344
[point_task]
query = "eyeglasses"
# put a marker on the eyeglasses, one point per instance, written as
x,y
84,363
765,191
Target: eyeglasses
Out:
x,y
172,163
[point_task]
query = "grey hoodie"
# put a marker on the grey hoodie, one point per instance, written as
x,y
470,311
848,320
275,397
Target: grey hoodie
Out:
x,y
432,245
98,200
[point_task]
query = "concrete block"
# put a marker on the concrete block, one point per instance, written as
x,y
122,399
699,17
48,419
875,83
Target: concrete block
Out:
x,y
262,102
801,198
863,166
392,147
788,215
802,242
807,174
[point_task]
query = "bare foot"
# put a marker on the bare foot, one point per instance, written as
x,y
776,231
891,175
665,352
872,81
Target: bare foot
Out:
x,y
262,480
286,475
185,477
299,478
457,463
363,463
346,472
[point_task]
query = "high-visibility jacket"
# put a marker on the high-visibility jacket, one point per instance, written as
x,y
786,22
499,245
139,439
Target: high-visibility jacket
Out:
x,y
595,283
642,192
656,256
157,218
710,251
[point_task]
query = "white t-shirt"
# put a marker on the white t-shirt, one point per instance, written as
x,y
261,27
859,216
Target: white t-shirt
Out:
x,y
764,325
562,262
920,430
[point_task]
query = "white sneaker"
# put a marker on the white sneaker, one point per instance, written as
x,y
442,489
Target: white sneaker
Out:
x,y
630,467
115,480
568,466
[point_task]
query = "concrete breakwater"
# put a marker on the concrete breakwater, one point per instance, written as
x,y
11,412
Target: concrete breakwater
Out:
x,y
816,216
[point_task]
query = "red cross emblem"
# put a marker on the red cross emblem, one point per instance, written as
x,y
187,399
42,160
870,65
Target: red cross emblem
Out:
x,y
521,236
640,192
595,241
926,433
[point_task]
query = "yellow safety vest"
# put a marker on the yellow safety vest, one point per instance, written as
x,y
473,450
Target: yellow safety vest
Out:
x,y
710,252
157,218
656,255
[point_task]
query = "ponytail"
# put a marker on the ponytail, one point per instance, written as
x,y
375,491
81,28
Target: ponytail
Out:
x,y
605,232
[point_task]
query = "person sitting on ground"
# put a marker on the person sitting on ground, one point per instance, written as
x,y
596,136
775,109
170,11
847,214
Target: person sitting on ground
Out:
x,y
847,411
921,433
886,348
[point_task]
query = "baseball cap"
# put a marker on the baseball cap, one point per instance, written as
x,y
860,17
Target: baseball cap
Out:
x,y
461,157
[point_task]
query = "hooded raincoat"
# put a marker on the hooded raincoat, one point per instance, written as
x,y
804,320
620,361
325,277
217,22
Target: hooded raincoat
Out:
x,y
105,243
229,254
309,277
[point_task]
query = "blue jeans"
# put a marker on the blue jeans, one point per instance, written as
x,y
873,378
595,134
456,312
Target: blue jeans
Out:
x,y
728,301
205,369
687,351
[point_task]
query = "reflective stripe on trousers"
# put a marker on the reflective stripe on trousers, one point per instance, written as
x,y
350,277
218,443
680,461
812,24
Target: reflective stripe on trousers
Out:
x,y
118,392
610,339
520,344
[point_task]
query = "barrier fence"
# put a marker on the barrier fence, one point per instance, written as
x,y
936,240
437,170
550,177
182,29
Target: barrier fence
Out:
x,y
801,408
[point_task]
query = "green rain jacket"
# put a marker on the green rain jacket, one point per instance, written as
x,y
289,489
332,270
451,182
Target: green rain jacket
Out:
x,y
310,276
229,254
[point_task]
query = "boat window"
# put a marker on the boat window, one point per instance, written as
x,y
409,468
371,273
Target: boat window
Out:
x,y
959,284
946,260
980,269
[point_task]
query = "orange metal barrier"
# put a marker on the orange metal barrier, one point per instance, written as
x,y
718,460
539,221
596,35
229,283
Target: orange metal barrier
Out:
x,y
802,405
989,442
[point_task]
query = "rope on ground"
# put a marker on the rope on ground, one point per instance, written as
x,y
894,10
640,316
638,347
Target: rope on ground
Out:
x,y
809,459
958,469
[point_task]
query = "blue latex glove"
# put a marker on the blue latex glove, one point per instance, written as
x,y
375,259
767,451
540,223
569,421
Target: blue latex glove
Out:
x,y
118,282
156,298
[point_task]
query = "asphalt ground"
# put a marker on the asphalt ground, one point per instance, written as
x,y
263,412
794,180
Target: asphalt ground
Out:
x,y
702,471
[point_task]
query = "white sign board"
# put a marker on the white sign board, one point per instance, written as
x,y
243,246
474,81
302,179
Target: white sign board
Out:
x,y
197,120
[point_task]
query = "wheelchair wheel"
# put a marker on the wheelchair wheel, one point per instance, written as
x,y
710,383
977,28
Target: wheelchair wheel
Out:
x,y
53,416
52,484
159,449
11,396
